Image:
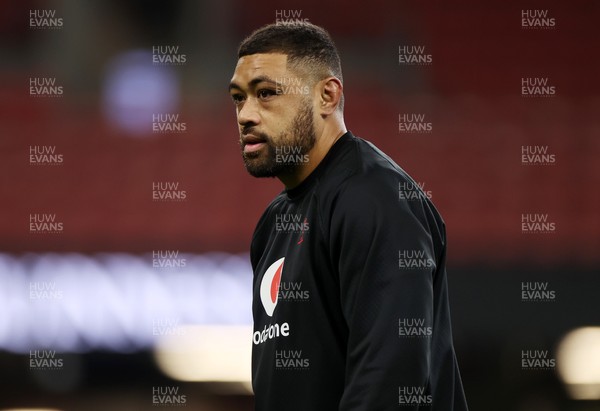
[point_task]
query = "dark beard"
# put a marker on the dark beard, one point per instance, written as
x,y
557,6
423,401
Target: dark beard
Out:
x,y
301,138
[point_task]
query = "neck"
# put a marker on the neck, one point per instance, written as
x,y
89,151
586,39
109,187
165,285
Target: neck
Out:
x,y
327,138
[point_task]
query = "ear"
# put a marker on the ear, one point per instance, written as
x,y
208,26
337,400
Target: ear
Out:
x,y
330,95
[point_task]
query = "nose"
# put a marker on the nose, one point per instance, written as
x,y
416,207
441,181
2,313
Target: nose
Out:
x,y
248,113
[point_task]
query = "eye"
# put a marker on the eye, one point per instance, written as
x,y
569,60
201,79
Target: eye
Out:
x,y
237,98
265,93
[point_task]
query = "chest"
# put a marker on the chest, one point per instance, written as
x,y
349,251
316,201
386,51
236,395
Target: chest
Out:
x,y
287,254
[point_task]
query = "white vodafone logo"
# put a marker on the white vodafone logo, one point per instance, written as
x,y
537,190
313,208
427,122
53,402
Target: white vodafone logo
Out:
x,y
269,286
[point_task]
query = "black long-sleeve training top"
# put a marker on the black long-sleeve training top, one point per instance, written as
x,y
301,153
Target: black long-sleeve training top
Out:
x,y
350,299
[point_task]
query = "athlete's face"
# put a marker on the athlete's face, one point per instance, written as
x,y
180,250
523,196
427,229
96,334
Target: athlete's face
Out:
x,y
274,114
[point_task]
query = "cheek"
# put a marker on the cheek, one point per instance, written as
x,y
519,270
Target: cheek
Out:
x,y
276,123
278,120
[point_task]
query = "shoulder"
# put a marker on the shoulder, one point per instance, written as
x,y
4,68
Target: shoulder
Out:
x,y
370,177
377,189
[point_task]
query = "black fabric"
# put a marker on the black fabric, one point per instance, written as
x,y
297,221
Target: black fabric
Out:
x,y
361,317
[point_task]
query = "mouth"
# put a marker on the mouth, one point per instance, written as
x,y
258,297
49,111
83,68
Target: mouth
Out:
x,y
252,143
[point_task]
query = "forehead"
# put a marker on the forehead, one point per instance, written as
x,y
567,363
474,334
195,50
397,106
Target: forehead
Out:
x,y
257,65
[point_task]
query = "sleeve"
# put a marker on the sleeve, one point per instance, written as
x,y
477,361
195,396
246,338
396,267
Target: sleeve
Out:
x,y
386,262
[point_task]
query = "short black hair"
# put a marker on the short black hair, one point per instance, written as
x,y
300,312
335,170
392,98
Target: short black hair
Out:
x,y
304,43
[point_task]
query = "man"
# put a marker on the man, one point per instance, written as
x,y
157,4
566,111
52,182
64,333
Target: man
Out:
x,y
350,296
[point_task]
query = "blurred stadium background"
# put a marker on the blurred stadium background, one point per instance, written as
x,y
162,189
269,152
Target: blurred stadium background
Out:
x,y
121,295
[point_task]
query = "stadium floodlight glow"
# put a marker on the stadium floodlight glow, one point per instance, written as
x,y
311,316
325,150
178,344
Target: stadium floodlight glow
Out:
x,y
207,353
134,91
118,302
578,363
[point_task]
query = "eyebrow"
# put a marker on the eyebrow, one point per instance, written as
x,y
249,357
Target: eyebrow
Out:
x,y
252,83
